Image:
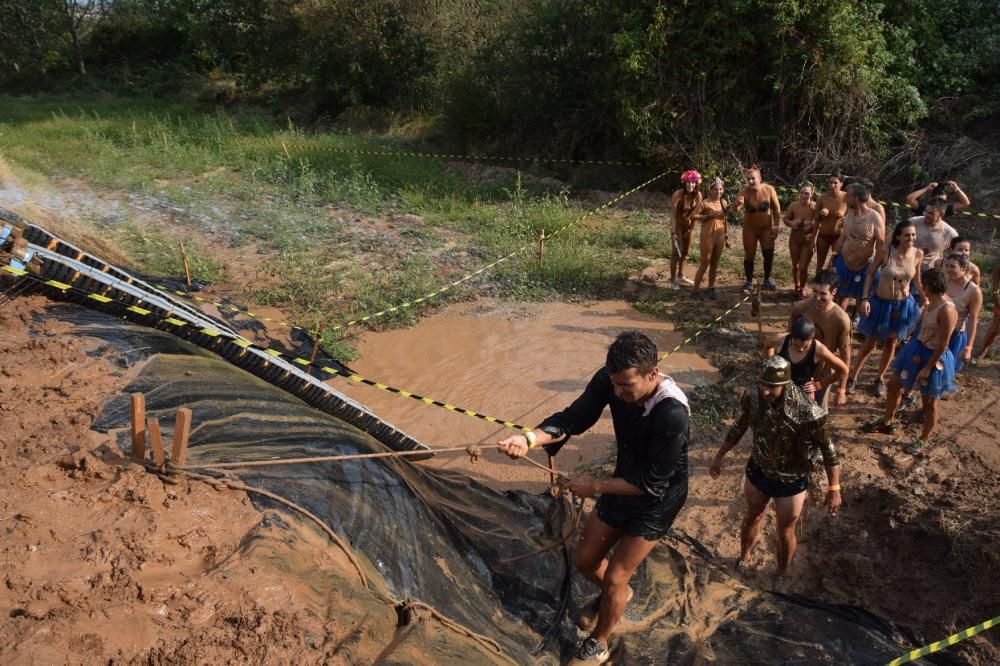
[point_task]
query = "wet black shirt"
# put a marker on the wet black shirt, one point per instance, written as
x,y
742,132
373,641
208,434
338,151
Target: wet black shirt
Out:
x,y
652,449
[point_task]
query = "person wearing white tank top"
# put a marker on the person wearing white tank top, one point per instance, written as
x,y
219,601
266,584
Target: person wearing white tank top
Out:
x,y
925,362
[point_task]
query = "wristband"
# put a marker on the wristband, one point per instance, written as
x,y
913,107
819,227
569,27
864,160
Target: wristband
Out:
x,y
531,439
834,487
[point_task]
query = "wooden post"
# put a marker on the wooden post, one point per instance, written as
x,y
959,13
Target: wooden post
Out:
x,y
138,426
182,430
553,479
285,148
153,426
187,266
541,249
316,340
760,317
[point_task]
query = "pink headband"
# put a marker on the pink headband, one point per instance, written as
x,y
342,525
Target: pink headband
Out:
x,y
691,176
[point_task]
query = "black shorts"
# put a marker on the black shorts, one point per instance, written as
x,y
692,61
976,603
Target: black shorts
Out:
x,y
771,487
639,516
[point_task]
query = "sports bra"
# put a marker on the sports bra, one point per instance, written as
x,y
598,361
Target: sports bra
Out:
x,y
761,207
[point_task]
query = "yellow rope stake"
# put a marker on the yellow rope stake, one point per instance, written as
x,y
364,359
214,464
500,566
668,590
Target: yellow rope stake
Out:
x,y
947,642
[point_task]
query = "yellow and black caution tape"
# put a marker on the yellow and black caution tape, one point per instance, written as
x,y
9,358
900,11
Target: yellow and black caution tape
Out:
x,y
441,290
947,642
289,145
354,377
701,330
351,376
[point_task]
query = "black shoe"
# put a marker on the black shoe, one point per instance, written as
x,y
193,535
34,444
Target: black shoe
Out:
x,y
712,295
769,285
590,652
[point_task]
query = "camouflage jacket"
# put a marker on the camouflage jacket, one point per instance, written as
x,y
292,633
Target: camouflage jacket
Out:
x,y
785,434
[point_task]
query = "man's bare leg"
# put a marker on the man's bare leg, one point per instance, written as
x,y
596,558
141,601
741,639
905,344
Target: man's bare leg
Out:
x,y
592,549
631,551
787,510
750,530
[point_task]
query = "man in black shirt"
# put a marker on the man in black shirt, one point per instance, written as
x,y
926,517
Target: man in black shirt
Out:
x,y
638,504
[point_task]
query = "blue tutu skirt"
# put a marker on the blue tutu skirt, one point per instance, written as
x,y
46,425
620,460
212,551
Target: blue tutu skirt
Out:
x,y
959,339
889,318
913,357
852,283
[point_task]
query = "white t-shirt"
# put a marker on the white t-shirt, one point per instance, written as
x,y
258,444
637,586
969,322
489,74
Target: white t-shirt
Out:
x,y
934,242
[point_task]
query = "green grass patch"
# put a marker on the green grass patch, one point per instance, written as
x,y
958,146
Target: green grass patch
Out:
x,y
157,254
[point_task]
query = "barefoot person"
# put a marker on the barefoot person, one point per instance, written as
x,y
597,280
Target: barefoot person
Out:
x,y
761,225
714,234
968,300
806,354
831,208
787,429
802,240
637,505
890,310
683,203
861,238
993,332
833,328
925,362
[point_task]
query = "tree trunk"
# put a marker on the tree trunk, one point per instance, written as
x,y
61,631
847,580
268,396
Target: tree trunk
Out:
x,y
77,53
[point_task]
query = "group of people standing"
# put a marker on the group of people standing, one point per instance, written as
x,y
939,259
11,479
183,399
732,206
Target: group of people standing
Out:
x,y
917,295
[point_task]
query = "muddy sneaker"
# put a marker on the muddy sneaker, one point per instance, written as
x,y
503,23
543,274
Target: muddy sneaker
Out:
x,y
769,285
880,426
747,287
778,584
916,447
879,388
588,616
686,280
712,295
674,285
590,652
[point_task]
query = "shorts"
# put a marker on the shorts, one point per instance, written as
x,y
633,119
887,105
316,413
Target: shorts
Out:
x,y
911,359
852,283
638,517
772,487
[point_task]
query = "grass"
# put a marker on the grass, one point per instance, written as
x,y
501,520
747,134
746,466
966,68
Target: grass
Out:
x,y
341,233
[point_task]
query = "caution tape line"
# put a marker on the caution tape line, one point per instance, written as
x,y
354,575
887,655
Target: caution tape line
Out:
x,y
288,145
895,204
246,344
439,291
708,326
947,642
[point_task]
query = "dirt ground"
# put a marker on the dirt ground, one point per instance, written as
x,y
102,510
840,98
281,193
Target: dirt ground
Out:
x,y
105,563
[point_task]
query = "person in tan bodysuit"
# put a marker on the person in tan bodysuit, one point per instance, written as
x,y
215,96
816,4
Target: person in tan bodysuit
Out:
x,y
761,224
862,237
684,202
830,210
714,234
968,300
800,217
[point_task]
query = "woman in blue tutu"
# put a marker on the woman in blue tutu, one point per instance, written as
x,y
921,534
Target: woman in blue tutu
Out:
x,y
925,362
968,300
889,306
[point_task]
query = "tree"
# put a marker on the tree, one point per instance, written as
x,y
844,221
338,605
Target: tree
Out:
x,y
81,17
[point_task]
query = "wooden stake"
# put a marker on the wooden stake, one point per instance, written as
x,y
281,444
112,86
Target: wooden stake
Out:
x,y
187,266
316,339
285,148
760,317
541,249
182,431
138,426
553,477
153,426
